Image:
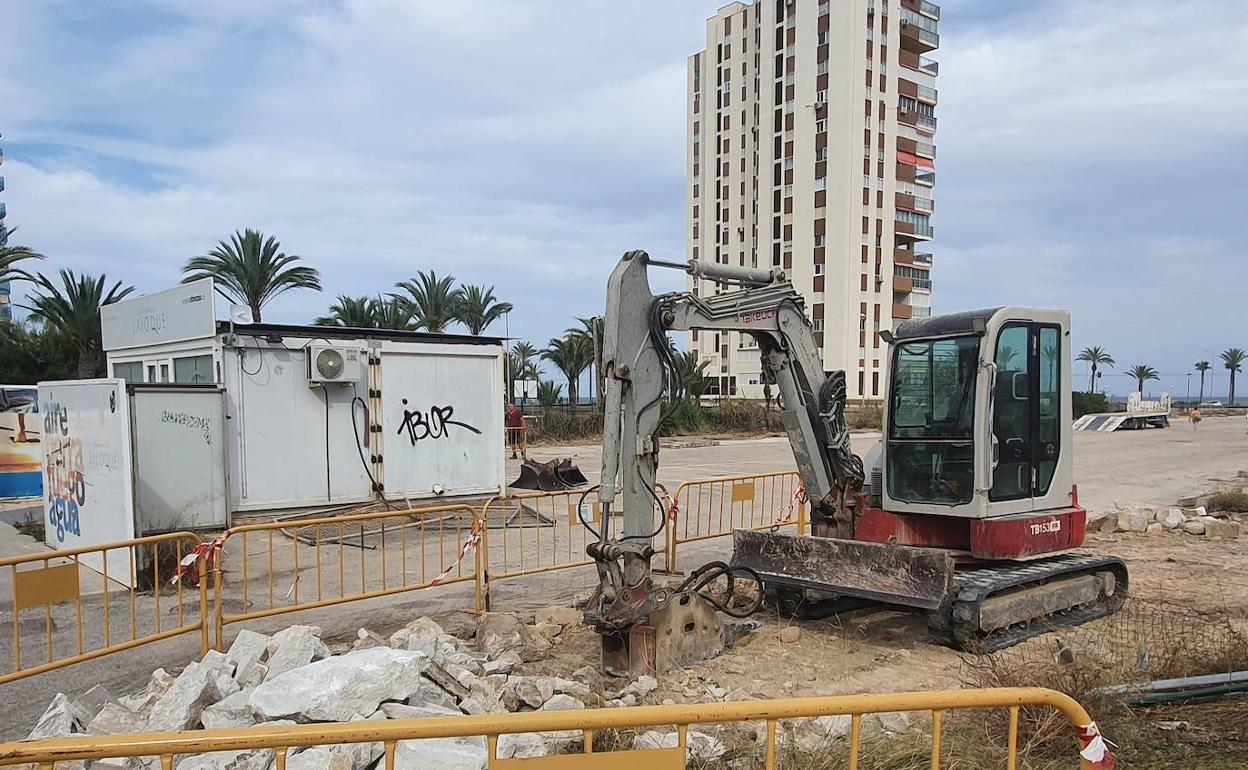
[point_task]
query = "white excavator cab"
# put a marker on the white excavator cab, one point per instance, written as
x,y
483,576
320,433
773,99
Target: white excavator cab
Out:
x,y
977,416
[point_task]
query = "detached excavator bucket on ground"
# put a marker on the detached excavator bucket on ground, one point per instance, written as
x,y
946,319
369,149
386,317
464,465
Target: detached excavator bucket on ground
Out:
x,y
552,476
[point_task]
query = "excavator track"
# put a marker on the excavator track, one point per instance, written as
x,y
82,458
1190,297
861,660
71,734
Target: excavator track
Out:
x,y
993,607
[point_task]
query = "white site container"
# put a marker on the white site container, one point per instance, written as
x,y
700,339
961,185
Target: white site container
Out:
x,y
291,439
435,400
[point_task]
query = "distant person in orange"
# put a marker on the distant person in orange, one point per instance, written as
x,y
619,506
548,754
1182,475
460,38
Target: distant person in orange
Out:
x,y
1194,416
514,421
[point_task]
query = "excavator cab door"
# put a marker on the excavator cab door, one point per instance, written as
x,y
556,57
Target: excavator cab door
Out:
x,y
1026,403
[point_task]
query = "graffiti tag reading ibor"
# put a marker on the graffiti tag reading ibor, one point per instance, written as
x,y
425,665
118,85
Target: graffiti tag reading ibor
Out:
x,y
436,424
66,482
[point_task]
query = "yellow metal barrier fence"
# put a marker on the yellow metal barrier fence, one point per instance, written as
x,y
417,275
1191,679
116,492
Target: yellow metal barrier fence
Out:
x,y
711,508
535,532
396,736
127,582
299,564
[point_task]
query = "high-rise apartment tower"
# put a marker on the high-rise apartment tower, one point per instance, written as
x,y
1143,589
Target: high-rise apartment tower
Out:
x,y
811,146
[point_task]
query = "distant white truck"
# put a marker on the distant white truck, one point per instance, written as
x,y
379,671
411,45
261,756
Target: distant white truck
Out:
x,y
1140,413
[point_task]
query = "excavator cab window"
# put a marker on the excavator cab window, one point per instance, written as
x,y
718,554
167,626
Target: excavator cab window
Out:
x,y
931,452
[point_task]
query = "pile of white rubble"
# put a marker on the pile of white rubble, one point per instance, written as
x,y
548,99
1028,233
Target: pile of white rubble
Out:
x,y
420,671
1141,517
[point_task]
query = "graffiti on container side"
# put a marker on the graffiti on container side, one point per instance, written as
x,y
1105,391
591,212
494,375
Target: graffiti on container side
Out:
x,y
418,425
189,420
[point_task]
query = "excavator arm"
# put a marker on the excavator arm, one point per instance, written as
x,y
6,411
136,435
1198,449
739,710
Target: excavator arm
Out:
x,y
643,383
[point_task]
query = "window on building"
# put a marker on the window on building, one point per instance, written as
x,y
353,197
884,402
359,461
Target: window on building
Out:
x,y
193,369
821,183
818,268
818,324
130,371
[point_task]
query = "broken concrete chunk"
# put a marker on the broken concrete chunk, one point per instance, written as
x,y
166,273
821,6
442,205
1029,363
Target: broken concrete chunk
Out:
x,y
1220,528
443,678
232,711
1172,518
466,753
548,631
247,650
87,705
57,720
293,647
422,634
561,702
503,664
429,694
116,719
531,691
499,632
142,702
699,747
337,688
559,616
815,733
1133,520
522,746
180,707
1194,527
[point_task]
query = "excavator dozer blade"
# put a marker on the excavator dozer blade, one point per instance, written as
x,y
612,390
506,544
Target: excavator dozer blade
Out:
x,y
892,574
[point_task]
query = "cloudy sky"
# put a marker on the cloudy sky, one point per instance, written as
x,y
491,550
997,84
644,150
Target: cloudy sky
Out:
x,y
1092,155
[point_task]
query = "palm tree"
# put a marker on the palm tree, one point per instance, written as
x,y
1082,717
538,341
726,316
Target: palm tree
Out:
x,y
548,393
368,313
1233,359
11,255
1202,367
693,373
1142,373
433,301
1098,358
75,312
590,335
350,311
520,365
250,270
569,356
393,314
478,308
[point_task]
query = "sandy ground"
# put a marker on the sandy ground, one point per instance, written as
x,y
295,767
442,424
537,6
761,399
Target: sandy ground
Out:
x,y
866,651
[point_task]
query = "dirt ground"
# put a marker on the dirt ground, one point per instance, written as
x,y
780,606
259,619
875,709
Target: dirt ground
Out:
x,y
866,651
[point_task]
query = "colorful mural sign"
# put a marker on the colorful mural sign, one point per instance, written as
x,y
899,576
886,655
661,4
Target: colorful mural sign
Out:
x,y
88,489
20,455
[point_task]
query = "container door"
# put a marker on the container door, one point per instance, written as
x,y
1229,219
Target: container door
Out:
x,y
179,458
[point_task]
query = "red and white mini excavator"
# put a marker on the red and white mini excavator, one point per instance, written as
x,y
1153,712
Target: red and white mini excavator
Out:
x,y
966,509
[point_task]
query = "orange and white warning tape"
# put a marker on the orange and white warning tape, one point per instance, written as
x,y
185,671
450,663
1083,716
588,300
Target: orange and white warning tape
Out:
x,y
469,545
798,499
1094,748
189,566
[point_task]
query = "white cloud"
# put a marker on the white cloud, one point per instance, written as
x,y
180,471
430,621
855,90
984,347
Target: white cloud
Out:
x,y
1088,151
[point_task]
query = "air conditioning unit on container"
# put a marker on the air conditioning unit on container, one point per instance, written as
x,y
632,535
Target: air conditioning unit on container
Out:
x,y
328,365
